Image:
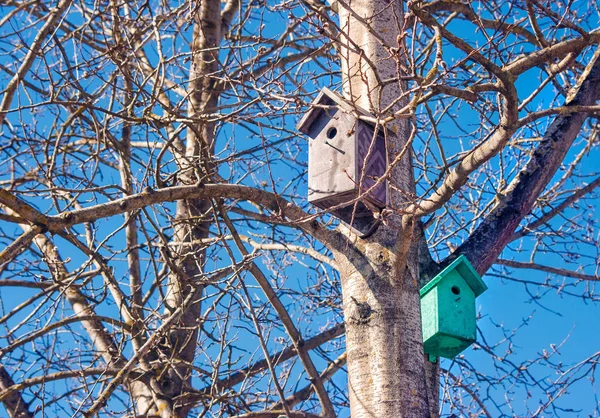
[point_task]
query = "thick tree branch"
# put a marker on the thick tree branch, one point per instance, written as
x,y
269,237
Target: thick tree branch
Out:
x,y
13,401
489,239
542,56
472,161
134,202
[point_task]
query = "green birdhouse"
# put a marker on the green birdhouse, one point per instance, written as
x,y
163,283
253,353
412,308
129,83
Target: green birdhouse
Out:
x,y
448,309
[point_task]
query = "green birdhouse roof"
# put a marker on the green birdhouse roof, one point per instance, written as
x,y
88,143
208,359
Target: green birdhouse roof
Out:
x,y
466,271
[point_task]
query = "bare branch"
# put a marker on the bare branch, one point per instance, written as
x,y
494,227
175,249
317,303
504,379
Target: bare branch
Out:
x,y
485,244
34,50
291,329
548,269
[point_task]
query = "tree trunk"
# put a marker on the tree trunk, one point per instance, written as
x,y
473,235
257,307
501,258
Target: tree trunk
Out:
x,y
380,277
193,217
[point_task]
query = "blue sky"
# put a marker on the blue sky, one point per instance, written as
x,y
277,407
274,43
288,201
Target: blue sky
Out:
x,y
544,317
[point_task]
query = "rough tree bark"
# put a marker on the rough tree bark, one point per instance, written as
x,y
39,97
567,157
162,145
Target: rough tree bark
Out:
x,y
193,216
380,279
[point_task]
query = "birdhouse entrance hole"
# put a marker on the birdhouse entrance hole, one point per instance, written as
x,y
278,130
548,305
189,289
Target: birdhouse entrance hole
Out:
x,y
331,133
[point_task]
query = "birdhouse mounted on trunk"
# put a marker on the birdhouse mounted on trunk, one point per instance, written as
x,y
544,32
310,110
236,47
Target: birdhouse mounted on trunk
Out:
x,y
345,159
448,309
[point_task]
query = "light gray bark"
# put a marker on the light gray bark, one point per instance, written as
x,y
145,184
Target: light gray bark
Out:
x,y
380,278
193,216
144,397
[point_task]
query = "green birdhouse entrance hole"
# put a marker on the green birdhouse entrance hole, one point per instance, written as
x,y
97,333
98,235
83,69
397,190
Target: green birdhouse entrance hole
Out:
x,y
448,309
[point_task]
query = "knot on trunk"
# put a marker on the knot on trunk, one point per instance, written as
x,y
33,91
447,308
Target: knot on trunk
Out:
x,y
363,312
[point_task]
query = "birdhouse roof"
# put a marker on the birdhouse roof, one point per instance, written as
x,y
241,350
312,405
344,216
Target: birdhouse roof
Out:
x,y
327,98
466,271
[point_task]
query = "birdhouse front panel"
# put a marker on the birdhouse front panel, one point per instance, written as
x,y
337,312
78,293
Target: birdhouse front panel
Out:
x,y
331,153
448,313
448,325
457,308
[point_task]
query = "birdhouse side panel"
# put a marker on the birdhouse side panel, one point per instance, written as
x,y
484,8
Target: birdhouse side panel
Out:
x,y
457,307
429,314
331,156
443,345
372,158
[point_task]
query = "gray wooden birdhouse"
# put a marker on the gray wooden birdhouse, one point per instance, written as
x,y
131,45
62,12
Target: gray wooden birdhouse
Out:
x,y
345,159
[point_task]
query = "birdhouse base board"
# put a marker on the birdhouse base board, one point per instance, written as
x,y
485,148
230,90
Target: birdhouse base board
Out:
x,y
444,345
357,216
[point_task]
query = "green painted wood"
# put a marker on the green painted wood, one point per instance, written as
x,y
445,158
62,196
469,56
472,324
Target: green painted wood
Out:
x,y
448,309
